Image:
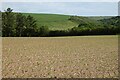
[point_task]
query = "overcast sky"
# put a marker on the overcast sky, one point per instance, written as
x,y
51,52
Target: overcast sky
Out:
x,y
68,8
60,0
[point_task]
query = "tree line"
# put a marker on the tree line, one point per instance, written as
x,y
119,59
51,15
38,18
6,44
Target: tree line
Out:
x,y
19,25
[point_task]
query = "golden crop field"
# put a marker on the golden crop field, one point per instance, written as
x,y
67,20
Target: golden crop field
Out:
x,y
60,57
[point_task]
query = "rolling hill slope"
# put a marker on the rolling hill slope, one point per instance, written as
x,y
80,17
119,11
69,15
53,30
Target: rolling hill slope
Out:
x,y
53,21
65,22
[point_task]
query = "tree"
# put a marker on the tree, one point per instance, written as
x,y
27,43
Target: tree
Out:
x,y
8,22
20,24
44,31
16,24
31,26
0,23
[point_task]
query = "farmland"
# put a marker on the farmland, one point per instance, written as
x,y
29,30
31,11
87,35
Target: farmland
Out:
x,y
60,57
62,22
48,25
53,21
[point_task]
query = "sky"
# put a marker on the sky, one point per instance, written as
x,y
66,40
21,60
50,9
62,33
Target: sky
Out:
x,y
67,8
60,0
119,9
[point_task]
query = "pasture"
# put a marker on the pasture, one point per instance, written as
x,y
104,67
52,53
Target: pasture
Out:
x,y
53,21
60,57
62,22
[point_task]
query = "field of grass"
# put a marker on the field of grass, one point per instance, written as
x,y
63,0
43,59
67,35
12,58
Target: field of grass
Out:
x,y
61,22
100,17
53,21
63,57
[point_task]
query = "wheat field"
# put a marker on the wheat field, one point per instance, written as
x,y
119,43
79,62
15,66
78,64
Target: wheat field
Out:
x,y
60,57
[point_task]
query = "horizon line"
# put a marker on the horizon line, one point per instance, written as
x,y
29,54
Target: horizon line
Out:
x,y
60,14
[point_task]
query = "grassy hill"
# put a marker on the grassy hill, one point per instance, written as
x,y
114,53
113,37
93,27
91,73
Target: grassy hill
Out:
x,y
85,20
100,17
24,25
63,22
53,21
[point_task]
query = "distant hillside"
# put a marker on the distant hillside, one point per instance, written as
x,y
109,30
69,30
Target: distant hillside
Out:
x,y
86,20
65,22
115,21
100,17
53,21
46,25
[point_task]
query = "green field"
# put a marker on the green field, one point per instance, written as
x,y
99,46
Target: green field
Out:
x,y
61,22
53,21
